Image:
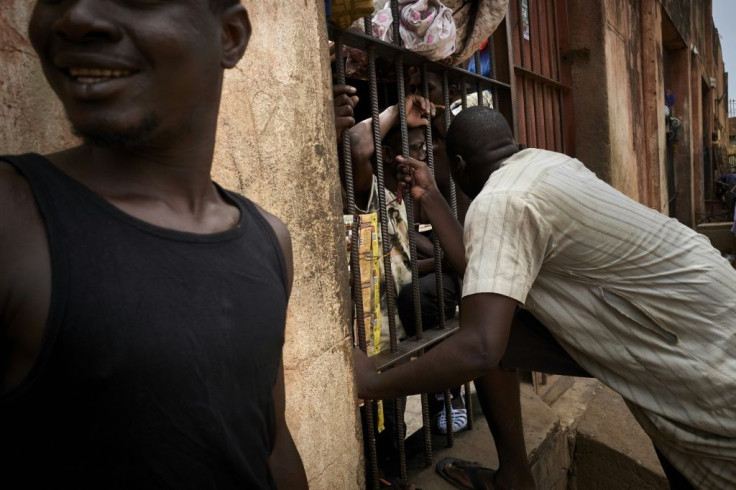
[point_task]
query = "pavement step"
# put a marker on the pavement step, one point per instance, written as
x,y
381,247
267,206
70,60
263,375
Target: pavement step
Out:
x,y
612,451
584,439
545,440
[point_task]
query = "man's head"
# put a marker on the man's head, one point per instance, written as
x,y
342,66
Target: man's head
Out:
x,y
478,140
141,72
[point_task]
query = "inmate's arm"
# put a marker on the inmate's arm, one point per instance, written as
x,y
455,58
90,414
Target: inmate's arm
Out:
x,y
285,463
477,347
361,138
416,175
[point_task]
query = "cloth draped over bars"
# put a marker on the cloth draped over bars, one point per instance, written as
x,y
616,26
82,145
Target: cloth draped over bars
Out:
x,y
475,21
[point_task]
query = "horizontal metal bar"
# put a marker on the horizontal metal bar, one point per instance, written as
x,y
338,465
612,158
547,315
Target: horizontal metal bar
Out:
x,y
409,347
523,72
389,51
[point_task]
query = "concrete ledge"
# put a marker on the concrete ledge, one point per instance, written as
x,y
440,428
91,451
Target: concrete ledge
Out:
x,y
546,442
586,440
612,451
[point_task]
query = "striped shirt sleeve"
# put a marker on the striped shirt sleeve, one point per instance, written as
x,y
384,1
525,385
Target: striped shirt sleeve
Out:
x,y
506,239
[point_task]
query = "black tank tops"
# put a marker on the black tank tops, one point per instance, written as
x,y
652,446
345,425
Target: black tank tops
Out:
x,y
160,353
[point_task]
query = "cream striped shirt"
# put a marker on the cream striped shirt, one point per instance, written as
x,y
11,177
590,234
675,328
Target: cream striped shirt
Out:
x,y
642,302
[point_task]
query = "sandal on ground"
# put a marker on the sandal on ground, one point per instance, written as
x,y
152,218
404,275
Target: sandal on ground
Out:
x,y
471,470
459,420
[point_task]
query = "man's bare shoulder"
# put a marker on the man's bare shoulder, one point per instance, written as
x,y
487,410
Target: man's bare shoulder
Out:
x,y
19,215
16,198
284,237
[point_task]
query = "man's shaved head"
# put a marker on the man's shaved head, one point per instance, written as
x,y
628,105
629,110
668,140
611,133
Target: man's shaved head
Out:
x,y
478,141
474,128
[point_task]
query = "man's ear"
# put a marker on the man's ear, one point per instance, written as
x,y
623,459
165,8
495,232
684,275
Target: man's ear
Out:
x,y
235,35
457,164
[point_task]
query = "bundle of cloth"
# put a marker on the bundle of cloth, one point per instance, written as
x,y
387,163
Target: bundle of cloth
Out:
x,y
475,21
425,26
448,31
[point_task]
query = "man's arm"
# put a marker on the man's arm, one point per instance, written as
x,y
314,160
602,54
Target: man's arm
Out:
x,y
285,463
477,347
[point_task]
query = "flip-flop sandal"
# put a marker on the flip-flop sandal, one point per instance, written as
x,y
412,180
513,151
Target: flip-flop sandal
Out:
x,y
470,468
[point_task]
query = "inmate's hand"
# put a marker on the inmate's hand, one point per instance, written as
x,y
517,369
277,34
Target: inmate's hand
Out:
x,y
344,99
419,111
365,372
416,177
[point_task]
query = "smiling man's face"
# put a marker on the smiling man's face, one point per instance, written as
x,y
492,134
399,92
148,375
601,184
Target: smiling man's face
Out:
x,y
129,72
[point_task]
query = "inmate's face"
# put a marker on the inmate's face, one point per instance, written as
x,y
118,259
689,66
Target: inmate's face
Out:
x,y
130,69
417,144
434,86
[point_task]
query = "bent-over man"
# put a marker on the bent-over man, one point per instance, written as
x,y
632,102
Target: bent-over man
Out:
x,y
624,293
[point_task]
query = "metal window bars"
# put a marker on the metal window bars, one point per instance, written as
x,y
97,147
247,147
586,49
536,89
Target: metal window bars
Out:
x,y
426,335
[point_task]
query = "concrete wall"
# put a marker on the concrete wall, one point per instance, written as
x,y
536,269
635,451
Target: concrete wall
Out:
x,y
637,48
654,185
275,144
31,117
590,86
622,48
607,90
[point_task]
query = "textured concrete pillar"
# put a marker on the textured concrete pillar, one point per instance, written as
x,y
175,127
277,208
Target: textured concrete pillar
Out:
x,y
276,145
680,84
590,86
622,51
696,137
31,117
655,185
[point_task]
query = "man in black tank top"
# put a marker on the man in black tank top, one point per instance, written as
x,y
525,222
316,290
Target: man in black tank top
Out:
x,y
142,307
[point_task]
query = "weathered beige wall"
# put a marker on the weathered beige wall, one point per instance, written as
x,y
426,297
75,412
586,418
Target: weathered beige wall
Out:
x,y
623,158
622,47
275,144
655,185
31,118
590,86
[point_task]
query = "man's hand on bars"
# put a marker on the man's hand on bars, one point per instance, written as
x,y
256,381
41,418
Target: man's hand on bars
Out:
x,y
344,99
419,111
416,177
